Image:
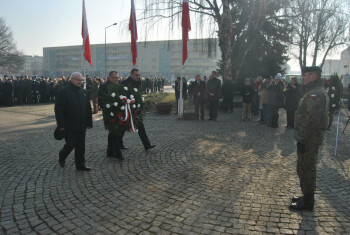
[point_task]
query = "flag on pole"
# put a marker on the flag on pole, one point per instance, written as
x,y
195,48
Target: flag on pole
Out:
x,y
133,30
85,35
186,27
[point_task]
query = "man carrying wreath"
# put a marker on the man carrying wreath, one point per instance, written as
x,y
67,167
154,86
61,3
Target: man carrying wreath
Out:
x,y
133,83
114,141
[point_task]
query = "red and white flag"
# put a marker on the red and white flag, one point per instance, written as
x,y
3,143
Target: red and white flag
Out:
x,y
186,27
133,30
85,35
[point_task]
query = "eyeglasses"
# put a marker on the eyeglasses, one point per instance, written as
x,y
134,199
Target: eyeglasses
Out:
x,y
79,80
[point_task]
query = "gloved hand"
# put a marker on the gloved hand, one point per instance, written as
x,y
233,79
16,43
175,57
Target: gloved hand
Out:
x,y
301,147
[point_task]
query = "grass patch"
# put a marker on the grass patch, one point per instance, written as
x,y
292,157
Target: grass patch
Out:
x,y
151,100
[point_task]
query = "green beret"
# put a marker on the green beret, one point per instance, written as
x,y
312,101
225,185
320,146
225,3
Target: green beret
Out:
x,y
312,69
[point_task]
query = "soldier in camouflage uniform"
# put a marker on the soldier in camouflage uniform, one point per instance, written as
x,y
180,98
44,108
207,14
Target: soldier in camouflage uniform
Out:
x,y
310,123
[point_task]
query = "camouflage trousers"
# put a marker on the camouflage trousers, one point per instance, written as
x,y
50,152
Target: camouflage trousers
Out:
x,y
306,168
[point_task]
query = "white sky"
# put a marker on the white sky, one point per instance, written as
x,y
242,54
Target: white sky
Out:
x,y
49,23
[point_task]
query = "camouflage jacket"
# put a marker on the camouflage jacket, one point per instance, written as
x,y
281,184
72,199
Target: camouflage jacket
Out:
x,y
311,117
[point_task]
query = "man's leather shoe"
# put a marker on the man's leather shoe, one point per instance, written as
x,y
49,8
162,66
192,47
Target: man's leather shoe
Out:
x,y
306,203
61,162
296,199
150,147
83,168
123,147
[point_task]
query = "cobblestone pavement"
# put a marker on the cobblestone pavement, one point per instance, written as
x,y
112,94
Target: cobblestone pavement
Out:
x,y
204,177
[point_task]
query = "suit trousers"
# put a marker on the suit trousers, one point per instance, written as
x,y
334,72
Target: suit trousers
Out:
x,y
142,134
213,109
246,114
113,146
274,115
76,141
94,104
199,104
306,168
290,117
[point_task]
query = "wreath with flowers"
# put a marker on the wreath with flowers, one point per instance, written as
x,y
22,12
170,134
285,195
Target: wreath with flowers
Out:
x,y
123,108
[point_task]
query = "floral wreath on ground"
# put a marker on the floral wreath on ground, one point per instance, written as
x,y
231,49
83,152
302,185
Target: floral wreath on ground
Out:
x,y
123,108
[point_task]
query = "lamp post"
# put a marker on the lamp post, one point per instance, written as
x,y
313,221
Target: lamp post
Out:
x,y
106,47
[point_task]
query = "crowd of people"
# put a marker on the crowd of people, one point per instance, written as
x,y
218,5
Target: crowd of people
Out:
x,y
27,90
262,95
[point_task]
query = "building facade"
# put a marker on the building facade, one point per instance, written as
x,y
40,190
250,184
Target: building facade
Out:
x,y
155,58
33,65
341,67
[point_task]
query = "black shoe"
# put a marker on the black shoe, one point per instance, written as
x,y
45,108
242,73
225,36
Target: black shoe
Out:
x,y
150,147
296,199
306,203
83,168
202,119
123,147
61,162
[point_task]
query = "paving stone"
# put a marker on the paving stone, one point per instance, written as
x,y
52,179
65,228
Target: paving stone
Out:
x,y
224,177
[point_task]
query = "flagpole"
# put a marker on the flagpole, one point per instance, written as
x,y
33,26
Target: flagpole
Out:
x,y
336,138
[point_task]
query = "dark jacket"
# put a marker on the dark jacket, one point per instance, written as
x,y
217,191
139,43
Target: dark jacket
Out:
x,y
213,86
73,109
247,93
292,96
276,92
103,91
198,88
177,89
311,117
131,82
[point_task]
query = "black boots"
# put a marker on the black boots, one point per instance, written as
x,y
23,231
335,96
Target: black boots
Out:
x,y
305,202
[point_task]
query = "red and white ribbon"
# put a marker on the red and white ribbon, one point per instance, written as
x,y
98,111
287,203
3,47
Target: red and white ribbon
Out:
x,y
128,114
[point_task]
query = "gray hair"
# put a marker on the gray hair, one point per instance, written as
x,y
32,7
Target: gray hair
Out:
x,y
76,75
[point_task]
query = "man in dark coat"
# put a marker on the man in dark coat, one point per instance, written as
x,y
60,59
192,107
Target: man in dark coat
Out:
x,y
27,90
227,95
247,93
213,94
134,82
114,143
292,95
198,91
177,91
8,92
73,115
276,99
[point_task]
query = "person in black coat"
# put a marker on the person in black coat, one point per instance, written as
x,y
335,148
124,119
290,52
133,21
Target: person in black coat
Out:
x,y
177,91
134,82
277,99
227,95
198,92
74,116
247,98
213,94
8,92
114,143
292,98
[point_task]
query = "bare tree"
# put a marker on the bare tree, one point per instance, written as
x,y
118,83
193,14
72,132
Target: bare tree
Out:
x,y
11,59
225,18
319,27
